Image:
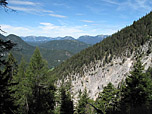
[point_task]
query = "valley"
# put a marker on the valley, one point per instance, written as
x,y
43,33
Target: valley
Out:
x,y
56,58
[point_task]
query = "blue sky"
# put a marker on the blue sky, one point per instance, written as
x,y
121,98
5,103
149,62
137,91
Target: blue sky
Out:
x,y
55,18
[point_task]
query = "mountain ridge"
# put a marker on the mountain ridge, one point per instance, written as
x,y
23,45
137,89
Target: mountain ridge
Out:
x,y
86,38
54,56
73,46
108,61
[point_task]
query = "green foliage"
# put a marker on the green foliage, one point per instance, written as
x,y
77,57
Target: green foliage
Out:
x,y
41,96
12,63
129,38
72,46
54,57
107,99
21,89
66,102
137,92
82,102
6,72
33,93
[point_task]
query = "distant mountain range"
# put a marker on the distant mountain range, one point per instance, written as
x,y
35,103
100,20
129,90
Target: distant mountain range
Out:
x,y
73,46
92,39
44,39
37,40
55,52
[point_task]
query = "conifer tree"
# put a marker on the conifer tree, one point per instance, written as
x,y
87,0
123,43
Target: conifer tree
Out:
x,y
137,90
82,103
66,102
41,95
6,101
21,89
12,63
107,98
7,71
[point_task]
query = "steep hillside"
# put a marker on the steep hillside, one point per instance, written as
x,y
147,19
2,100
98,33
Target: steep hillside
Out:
x,y
36,43
21,45
2,37
92,39
72,46
110,60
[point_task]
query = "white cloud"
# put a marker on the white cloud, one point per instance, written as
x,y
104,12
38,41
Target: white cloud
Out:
x,y
15,30
56,30
144,4
33,10
111,2
23,9
56,15
36,10
51,30
87,21
48,11
61,5
133,4
28,7
45,29
19,2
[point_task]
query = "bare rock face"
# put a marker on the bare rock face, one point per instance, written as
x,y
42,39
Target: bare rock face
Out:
x,y
96,75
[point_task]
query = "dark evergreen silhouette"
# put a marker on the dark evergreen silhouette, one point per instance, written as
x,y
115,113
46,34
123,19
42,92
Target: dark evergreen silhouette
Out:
x,y
82,102
66,102
137,92
41,94
6,101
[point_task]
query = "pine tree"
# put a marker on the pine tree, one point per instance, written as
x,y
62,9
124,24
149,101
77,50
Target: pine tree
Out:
x,y
66,102
82,103
6,101
41,95
21,89
106,99
136,92
12,63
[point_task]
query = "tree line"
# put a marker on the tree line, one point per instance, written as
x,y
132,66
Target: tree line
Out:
x,y
27,88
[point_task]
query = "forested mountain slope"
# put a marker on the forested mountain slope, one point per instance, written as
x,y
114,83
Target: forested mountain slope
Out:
x,y
22,49
92,39
110,60
72,46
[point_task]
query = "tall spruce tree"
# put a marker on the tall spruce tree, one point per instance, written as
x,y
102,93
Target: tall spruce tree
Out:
x,y
41,96
106,99
82,102
21,89
136,92
6,101
12,63
66,102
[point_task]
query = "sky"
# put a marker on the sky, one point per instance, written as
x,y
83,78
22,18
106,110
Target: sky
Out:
x,y
53,18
